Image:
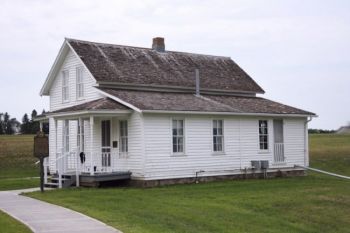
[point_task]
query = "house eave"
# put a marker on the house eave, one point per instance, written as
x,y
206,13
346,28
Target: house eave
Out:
x,y
89,112
229,113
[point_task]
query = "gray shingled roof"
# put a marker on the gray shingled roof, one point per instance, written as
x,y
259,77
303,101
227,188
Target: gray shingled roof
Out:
x,y
145,100
133,65
99,104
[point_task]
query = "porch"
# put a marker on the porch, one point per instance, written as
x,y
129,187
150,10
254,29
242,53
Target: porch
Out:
x,y
86,149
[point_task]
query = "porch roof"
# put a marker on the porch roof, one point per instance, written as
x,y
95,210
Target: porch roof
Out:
x,y
147,101
99,104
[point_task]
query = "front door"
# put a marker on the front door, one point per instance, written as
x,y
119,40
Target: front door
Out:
x,y
106,144
278,141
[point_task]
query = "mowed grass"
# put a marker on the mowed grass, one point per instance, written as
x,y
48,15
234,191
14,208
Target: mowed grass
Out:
x,y
17,162
316,203
10,225
330,152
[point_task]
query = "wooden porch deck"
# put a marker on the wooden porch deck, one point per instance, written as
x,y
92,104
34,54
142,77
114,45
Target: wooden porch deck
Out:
x,y
88,180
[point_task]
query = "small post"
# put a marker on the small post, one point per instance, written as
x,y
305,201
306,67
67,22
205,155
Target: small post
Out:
x,y
41,174
45,170
41,126
197,83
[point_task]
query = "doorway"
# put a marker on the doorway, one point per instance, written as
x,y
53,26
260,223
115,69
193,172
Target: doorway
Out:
x,y
106,143
278,141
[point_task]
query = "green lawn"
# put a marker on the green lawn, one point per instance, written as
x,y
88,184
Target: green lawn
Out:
x,y
330,152
316,203
10,225
17,162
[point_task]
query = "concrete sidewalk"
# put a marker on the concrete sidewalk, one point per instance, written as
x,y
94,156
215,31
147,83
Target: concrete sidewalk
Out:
x,y
40,216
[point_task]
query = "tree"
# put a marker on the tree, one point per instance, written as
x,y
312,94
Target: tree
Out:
x,y
6,124
34,114
9,128
1,124
34,125
25,127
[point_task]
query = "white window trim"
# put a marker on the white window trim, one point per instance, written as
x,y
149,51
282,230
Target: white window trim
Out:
x,y
124,154
223,137
178,154
268,150
81,69
65,86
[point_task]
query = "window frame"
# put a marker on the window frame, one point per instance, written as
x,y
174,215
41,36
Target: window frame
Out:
x,y
65,86
121,137
80,92
222,151
183,153
267,135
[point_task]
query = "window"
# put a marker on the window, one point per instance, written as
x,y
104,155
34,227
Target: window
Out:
x,y
80,83
178,136
123,127
66,136
263,135
218,136
65,87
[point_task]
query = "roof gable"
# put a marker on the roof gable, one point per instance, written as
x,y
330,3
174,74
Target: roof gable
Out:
x,y
59,61
143,66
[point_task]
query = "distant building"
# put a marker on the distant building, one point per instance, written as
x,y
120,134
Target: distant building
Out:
x,y
343,130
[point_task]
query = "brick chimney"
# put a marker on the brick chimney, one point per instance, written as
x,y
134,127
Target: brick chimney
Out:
x,y
158,44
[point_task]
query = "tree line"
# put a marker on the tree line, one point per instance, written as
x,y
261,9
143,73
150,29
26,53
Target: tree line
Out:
x,y
10,125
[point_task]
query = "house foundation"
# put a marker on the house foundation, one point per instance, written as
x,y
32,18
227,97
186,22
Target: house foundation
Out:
x,y
203,179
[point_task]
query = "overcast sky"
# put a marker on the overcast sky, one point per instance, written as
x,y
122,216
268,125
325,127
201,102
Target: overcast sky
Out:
x,y
298,51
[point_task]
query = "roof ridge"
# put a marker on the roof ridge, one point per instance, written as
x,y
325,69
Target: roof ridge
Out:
x,y
138,47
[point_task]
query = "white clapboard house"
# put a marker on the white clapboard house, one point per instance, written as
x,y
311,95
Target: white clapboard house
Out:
x,y
158,117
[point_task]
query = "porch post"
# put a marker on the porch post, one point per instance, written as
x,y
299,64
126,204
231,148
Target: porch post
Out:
x,y
91,145
58,160
77,168
41,126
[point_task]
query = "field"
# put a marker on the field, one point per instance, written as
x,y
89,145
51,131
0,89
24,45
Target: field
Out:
x,y
316,203
330,152
17,164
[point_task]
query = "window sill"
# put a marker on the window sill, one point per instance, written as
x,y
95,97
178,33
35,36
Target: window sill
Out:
x,y
218,153
178,155
80,99
264,152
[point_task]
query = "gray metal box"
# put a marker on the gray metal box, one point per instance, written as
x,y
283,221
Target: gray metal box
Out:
x,y
255,164
264,164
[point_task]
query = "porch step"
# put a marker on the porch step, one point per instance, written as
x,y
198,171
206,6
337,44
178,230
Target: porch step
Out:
x,y
51,185
67,181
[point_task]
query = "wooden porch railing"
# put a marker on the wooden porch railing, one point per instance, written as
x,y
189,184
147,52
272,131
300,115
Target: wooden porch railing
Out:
x,y
279,153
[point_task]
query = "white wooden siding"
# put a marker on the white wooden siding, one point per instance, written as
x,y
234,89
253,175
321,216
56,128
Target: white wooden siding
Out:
x,y
241,140
294,144
70,63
